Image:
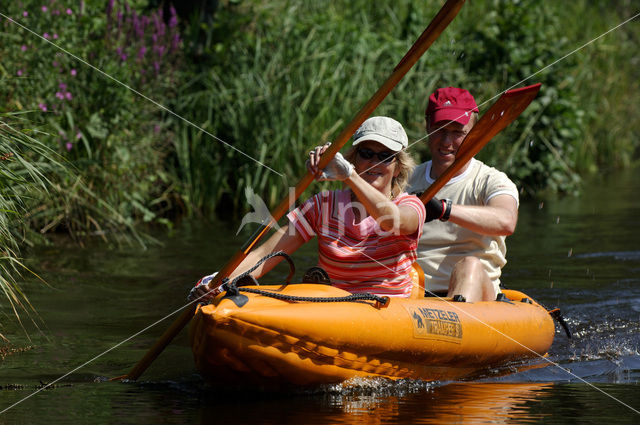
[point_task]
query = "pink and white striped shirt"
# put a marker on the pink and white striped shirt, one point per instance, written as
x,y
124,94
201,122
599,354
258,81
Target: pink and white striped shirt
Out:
x,y
359,257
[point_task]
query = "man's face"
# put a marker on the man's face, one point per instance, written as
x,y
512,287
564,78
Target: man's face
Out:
x,y
444,140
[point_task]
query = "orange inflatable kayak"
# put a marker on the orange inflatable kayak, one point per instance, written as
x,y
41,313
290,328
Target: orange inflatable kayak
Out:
x,y
268,341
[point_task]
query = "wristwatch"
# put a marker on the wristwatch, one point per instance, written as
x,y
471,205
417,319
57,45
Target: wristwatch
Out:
x,y
447,210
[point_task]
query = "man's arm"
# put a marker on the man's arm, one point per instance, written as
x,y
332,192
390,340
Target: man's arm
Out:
x,y
498,218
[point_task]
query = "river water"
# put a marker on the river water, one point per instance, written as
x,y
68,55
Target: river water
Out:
x,y
580,254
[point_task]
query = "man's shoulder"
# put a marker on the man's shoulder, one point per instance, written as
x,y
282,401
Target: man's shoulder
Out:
x,y
494,182
488,172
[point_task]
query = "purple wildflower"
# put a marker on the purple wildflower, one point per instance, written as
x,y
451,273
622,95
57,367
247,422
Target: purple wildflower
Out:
x,y
42,106
141,52
44,8
78,135
69,12
46,34
62,86
55,64
159,49
175,43
156,67
109,8
174,18
59,95
25,13
19,73
68,96
73,72
69,146
55,36
23,48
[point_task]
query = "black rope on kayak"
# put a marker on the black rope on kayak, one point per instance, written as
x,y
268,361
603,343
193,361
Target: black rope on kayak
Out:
x,y
380,301
233,292
232,287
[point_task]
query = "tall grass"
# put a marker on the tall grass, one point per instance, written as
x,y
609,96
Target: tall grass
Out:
x,y
280,77
609,81
275,78
21,179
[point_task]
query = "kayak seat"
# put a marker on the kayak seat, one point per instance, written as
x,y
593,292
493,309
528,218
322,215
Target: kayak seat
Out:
x,y
417,275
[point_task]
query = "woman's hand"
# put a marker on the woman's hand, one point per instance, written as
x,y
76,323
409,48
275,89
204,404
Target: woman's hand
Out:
x,y
337,169
201,291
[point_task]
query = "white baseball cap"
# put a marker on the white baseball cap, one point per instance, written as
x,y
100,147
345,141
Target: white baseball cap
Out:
x,y
383,130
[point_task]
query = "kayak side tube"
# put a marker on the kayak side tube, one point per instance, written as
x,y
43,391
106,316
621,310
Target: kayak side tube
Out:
x,y
268,341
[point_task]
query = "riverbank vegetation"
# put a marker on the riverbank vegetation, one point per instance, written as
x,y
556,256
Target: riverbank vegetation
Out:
x,y
142,112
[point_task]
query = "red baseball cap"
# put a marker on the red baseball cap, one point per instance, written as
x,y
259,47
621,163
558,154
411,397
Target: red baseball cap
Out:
x,y
451,104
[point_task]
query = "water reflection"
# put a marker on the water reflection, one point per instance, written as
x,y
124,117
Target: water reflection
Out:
x,y
417,403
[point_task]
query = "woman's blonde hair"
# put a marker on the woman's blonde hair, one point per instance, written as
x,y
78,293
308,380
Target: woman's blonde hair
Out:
x,y
405,164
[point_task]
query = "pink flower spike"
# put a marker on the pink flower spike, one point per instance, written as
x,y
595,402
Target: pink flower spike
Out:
x,y
23,48
69,146
68,96
55,36
19,73
43,107
78,135
44,8
59,95
46,34
25,13
69,12
73,72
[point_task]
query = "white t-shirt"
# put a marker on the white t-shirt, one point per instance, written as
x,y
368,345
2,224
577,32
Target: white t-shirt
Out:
x,y
443,244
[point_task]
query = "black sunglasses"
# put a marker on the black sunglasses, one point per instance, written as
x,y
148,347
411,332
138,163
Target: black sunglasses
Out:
x,y
385,156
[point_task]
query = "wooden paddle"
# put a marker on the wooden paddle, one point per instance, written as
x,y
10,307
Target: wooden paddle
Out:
x,y
506,109
444,17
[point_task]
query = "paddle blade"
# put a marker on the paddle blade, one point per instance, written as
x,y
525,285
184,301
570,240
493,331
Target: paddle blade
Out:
x,y
506,109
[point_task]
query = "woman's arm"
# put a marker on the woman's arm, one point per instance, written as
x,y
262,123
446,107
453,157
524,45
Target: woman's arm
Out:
x,y
401,219
286,239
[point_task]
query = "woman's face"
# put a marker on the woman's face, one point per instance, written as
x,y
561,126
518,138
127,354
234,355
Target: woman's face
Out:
x,y
378,172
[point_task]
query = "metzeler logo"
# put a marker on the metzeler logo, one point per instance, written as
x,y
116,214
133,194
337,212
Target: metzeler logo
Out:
x,y
435,323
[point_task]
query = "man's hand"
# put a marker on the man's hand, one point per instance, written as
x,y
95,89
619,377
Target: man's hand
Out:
x,y
435,209
438,209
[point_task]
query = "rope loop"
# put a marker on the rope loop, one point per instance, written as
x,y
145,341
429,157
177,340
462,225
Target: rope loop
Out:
x,y
232,288
234,291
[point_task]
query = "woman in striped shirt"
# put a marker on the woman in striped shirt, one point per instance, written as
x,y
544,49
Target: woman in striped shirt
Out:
x,y
368,232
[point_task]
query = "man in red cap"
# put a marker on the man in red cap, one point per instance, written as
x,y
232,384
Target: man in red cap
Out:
x,y
463,251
